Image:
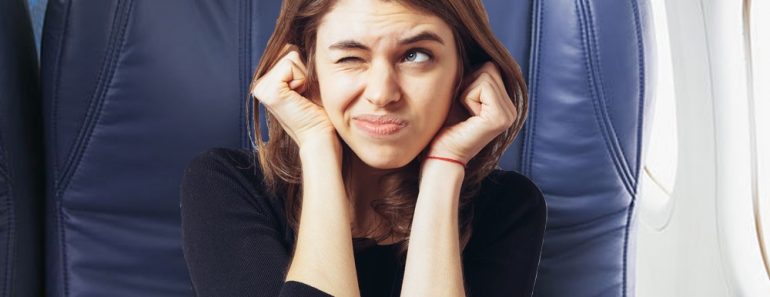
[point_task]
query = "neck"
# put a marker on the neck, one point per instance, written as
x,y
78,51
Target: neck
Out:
x,y
363,189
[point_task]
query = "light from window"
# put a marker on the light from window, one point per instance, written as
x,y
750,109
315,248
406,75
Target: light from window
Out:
x,y
660,166
760,76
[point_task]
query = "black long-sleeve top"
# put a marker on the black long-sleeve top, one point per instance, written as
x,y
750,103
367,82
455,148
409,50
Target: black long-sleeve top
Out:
x,y
236,240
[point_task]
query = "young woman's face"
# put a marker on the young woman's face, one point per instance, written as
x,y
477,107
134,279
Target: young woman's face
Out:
x,y
387,75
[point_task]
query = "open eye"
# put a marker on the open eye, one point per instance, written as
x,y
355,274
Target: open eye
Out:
x,y
417,56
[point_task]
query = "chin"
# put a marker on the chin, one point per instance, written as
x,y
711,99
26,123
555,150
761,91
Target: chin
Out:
x,y
385,160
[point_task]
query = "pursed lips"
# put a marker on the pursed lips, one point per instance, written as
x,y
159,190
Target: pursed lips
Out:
x,y
379,125
380,119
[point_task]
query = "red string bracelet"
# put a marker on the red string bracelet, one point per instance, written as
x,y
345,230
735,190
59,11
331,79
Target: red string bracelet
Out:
x,y
446,159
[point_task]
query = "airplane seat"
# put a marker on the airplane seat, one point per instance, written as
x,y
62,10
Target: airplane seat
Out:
x,y
133,89
588,71
21,155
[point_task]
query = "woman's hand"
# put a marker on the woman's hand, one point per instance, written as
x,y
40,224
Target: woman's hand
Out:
x,y
280,91
491,113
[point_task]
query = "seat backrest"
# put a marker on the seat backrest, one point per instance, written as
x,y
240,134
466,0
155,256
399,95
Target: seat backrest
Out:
x,y
587,66
132,91
21,155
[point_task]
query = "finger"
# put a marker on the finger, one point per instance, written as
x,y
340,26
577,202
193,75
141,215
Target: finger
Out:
x,y
482,91
494,71
500,98
291,74
291,52
295,57
490,97
506,104
482,99
284,74
470,98
299,77
472,80
491,73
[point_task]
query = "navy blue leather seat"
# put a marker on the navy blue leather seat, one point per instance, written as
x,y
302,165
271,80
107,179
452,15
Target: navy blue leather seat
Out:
x,y
21,155
134,89
587,66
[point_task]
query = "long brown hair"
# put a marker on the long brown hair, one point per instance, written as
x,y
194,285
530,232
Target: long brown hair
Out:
x,y
279,157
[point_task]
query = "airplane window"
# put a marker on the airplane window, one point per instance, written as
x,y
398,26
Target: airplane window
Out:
x,y
660,166
760,104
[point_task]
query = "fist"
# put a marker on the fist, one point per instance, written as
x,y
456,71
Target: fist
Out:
x,y
280,91
489,111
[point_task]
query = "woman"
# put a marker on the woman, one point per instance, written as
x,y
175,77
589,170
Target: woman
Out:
x,y
386,121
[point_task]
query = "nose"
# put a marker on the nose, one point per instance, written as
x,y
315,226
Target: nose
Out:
x,y
382,86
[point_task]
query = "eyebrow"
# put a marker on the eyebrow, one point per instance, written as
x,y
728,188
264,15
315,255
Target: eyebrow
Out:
x,y
353,44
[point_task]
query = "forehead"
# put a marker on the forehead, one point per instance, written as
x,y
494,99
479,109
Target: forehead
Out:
x,y
374,21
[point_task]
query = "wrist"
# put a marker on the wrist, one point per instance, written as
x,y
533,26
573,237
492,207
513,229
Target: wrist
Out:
x,y
442,168
445,159
322,148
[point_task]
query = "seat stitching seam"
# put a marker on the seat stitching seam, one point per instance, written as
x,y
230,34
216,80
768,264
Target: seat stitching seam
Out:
x,y
535,75
594,89
109,69
54,157
115,49
610,136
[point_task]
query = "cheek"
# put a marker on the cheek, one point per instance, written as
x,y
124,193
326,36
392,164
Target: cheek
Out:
x,y
337,92
432,98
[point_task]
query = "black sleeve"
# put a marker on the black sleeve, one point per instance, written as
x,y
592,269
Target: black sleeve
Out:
x,y
503,255
232,244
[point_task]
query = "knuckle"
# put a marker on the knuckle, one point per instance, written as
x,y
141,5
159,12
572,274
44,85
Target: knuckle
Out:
x,y
488,84
293,54
284,63
258,90
500,122
509,120
262,94
503,125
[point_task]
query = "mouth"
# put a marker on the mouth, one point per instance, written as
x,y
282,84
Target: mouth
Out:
x,y
379,126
